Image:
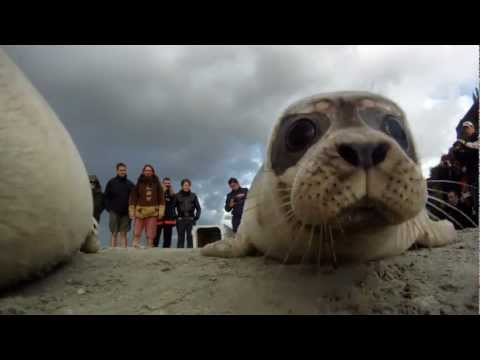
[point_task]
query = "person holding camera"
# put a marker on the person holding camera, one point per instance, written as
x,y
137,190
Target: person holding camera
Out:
x,y
468,146
235,202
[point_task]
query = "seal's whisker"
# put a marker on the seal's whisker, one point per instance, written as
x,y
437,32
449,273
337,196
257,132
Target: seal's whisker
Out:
x,y
333,255
435,190
265,256
285,196
435,217
294,242
307,252
286,203
451,182
252,207
340,227
285,259
454,208
319,233
287,218
256,197
446,214
261,203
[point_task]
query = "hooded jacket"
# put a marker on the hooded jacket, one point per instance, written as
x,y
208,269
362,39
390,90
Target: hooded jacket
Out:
x,y
147,199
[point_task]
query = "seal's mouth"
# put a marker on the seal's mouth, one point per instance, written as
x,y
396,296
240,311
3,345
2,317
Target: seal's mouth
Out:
x,y
364,212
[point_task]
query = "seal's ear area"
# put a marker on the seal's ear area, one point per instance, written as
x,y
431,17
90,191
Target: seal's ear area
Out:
x,y
295,134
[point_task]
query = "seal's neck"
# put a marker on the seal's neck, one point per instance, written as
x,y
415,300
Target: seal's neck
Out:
x,y
377,243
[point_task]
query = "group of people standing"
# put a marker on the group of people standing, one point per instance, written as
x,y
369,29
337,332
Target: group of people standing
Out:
x,y
454,182
153,207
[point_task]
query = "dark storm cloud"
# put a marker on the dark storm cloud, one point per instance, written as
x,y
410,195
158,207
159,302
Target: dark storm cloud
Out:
x,y
197,112
205,112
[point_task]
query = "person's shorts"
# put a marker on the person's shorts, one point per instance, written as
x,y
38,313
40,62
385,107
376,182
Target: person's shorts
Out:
x,y
149,224
119,223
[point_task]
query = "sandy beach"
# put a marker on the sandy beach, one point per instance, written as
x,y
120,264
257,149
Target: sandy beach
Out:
x,y
168,282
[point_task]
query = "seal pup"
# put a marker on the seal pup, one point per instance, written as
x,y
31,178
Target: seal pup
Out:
x,y
46,202
341,181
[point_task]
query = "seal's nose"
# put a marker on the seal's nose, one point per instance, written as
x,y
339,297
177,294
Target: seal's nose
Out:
x,y
364,155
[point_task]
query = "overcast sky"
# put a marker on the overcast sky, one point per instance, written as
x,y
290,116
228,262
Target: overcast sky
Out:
x,y
205,112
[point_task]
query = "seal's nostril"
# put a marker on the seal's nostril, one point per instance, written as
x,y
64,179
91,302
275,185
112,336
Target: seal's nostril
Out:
x,y
379,153
363,155
349,154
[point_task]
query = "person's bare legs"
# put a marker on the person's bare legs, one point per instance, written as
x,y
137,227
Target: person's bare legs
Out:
x,y
137,232
113,240
136,241
151,231
150,242
124,240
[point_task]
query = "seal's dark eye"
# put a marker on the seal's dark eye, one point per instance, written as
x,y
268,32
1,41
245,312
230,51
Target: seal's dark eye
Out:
x,y
391,126
301,134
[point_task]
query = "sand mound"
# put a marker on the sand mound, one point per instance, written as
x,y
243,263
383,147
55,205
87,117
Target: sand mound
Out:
x,y
160,282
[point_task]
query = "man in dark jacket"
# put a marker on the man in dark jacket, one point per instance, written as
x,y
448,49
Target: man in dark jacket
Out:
x,y
188,210
97,195
117,193
235,202
169,219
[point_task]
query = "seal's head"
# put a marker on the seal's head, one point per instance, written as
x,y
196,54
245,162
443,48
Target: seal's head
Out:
x,y
346,160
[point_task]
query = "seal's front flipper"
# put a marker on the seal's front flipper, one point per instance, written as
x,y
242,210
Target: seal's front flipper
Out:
x,y
437,233
91,244
228,248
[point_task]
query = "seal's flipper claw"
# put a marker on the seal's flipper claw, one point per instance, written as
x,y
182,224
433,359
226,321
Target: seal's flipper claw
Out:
x,y
220,248
438,233
228,248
